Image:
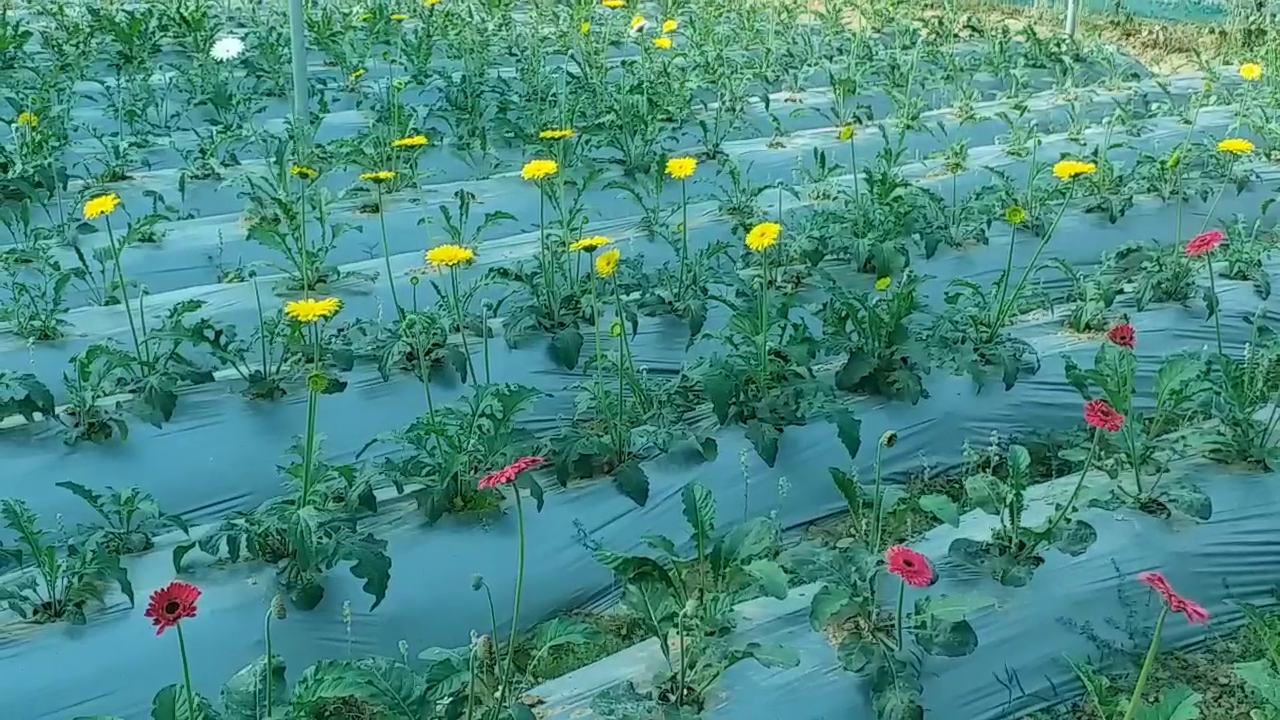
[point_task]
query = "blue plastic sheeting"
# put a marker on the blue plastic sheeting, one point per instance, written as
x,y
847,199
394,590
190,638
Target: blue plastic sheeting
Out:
x,y
1024,639
219,452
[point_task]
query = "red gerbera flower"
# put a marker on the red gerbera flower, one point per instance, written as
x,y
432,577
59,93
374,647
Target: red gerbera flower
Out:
x,y
170,604
1099,414
911,566
1205,242
508,474
1191,610
1123,335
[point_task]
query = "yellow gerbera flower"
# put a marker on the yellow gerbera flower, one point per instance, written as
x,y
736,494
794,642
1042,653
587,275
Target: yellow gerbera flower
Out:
x,y
101,205
585,28
539,169
1066,170
28,119
1015,216
310,310
377,178
556,134
430,3
662,43
681,167
399,17
614,4
846,133
359,73
883,283
589,244
670,26
1235,146
413,141
1251,72
607,263
763,236
638,22
447,256
304,172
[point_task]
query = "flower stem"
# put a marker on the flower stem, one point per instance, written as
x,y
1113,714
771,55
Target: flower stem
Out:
x,y
1005,308
509,670
877,502
684,234
308,451
1093,449
1136,699
186,671
462,329
116,250
386,254
902,592
266,631
1213,289
763,341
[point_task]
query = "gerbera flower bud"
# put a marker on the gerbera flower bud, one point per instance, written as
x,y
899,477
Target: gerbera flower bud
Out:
x,y
477,581
889,438
277,607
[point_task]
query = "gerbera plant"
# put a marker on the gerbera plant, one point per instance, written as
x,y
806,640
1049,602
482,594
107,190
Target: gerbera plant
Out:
x,y
686,601
887,647
1130,445
315,526
168,607
449,259
1180,698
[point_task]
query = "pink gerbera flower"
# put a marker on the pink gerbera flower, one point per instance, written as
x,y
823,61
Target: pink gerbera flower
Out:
x,y
911,566
1205,242
1192,611
1099,414
508,474
1123,335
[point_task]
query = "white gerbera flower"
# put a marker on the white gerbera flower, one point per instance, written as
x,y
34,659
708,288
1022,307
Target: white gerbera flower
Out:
x,y
227,48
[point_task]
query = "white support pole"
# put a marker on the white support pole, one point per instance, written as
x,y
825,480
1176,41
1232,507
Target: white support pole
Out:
x,y
298,31
1073,17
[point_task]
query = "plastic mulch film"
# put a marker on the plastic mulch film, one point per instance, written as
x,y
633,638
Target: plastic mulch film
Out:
x,y
218,453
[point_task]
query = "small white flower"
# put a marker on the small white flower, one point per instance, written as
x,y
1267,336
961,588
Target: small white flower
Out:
x,y
227,48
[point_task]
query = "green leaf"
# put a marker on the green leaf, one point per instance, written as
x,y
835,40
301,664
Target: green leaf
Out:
x,y
855,369
771,656
244,695
849,430
566,347
945,639
303,526
772,578
855,653
985,492
941,507
699,512
373,565
1019,462
764,438
633,482
828,602
720,390
653,603
746,541
1074,537
1260,678
172,703
1177,703
954,608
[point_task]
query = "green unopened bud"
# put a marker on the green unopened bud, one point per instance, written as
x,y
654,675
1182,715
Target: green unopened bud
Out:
x,y
414,280
1174,160
277,607
477,581
317,382
889,439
